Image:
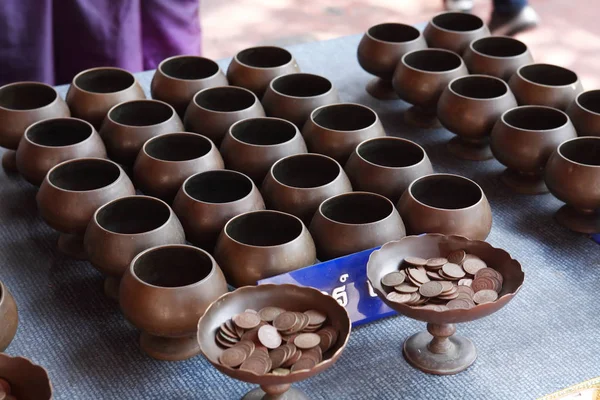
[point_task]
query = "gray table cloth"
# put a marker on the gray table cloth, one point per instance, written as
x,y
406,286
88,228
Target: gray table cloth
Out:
x,y
547,338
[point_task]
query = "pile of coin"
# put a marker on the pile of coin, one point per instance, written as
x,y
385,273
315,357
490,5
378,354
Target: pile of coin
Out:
x,y
273,340
457,281
5,390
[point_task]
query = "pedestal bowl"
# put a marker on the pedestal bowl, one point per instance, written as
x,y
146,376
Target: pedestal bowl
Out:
x,y
380,50
454,31
291,298
523,140
27,380
584,113
439,351
165,292
499,56
9,316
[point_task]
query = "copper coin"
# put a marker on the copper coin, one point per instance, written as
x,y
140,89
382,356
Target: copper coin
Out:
x,y
246,320
233,357
279,356
250,310
293,358
316,317
305,363
414,298
257,365
465,290
269,337
251,335
307,340
393,278
436,263
223,343
285,321
406,288
434,275
316,353
416,261
465,282
225,336
457,257
418,275
450,296
238,331
246,345
268,314
431,289
453,270
472,265
281,371
398,297
413,281
326,340
447,287
458,304
227,331
491,273
485,296
483,283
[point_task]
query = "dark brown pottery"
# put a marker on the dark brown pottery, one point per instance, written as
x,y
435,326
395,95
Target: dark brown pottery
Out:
x,y
336,129
454,31
439,351
72,191
290,297
380,50
95,91
27,380
585,113
206,201
214,110
295,96
499,56
256,67
523,140
351,222
129,125
22,104
387,165
572,175
122,228
469,107
165,292
9,317
298,184
52,141
420,79
447,204
177,79
545,85
253,145
260,244
166,161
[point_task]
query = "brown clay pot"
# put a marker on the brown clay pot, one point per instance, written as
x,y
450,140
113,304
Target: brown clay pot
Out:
x,y
167,160
545,85
22,104
9,316
122,228
295,96
253,145
27,380
420,79
499,56
380,50
95,91
454,31
336,129
298,184
572,175
447,204
523,140
255,67
260,244
206,201
387,165
165,292
214,110
72,191
351,222
584,112
52,141
469,107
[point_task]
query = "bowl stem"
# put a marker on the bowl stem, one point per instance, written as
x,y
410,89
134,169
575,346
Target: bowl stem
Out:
x,y
275,392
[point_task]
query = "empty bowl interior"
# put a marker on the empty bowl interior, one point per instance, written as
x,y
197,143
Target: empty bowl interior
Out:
x,y
189,67
344,117
59,132
218,186
26,96
104,80
84,174
141,113
264,228
446,191
479,87
590,101
585,150
432,60
396,33
134,214
263,131
457,21
173,266
357,208
499,46
301,85
178,147
225,99
306,171
264,57
547,74
391,152
535,118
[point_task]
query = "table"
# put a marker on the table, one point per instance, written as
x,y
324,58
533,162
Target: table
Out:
x,y
544,340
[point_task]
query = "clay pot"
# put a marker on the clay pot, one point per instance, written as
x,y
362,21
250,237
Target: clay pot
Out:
x,y
10,317
298,184
454,31
95,91
387,165
129,125
499,56
572,175
523,140
165,292
380,50
177,79
206,201
351,222
72,191
167,160
260,244
122,228
214,110
469,107
27,380
336,129
420,79
253,145
295,96
22,104
447,204
584,112
255,67
52,141
545,85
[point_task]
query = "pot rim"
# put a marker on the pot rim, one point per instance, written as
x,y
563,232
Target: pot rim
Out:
x,y
476,76
168,76
188,134
518,73
585,108
56,99
74,84
480,201
87,139
559,151
253,188
195,103
153,101
2,295
319,210
432,22
369,109
291,61
393,138
317,155
533,106
246,120
419,34
510,38
115,182
331,89
432,49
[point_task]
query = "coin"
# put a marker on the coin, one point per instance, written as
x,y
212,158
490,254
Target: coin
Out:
x,y
431,289
465,282
457,304
393,279
489,272
436,263
457,257
434,275
447,287
269,337
246,320
305,363
483,283
307,340
285,321
281,371
399,297
279,356
453,270
233,357
485,296
268,314
418,275
416,261
472,265
256,365
293,359
406,288
315,317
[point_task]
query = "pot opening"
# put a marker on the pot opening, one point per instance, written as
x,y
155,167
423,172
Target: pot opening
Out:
x,y
547,74
585,150
219,186
189,67
344,117
84,174
264,57
264,228
173,266
446,192
306,171
396,33
59,132
178,147
390,152
590,101
225,99
458,21
497,46
105,80
263,131
433,60
26,96
301,85
134,214
141,113
479,87
535,118
357,208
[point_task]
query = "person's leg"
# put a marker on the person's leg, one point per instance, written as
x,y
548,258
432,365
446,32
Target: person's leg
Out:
x,y
510,17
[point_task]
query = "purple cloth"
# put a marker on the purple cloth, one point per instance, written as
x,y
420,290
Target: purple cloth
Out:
x,y
52,40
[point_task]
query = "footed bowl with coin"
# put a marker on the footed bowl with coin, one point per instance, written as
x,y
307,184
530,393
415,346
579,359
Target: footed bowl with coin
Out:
x,y
443,280
273,336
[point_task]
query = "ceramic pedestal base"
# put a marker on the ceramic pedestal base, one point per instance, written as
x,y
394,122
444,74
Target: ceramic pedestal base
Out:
x,y
9,161
524,183
419,118
288,394
111,287
72,246
470,151
381,89
169,349
578,221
